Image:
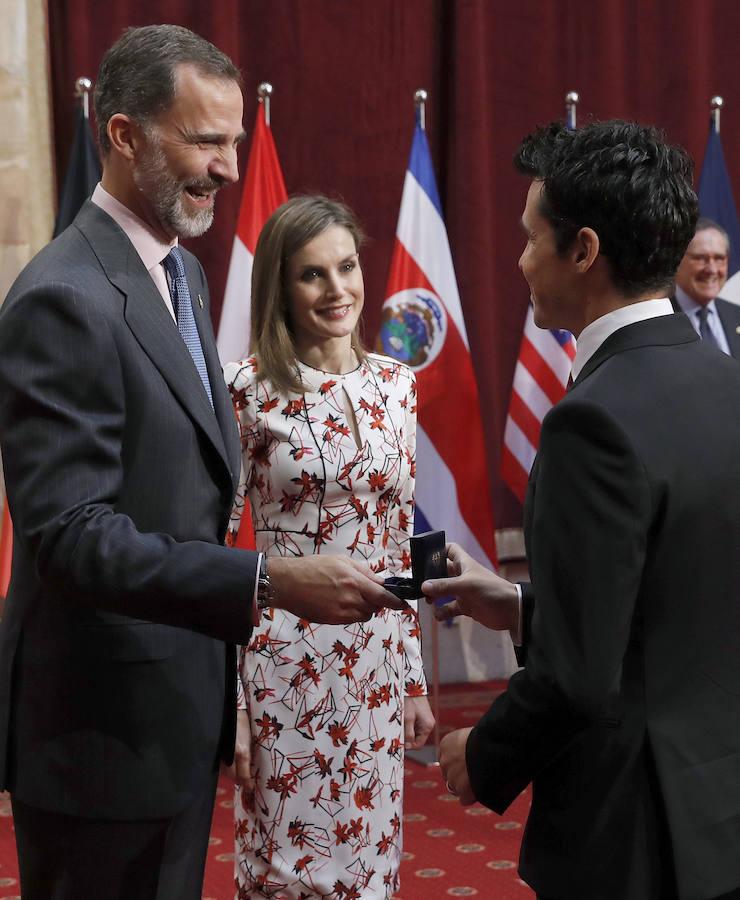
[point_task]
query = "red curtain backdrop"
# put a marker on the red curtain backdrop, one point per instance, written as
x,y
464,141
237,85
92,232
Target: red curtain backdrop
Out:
x,y
344,75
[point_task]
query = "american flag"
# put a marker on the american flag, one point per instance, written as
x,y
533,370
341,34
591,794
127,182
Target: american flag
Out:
x,y
540,380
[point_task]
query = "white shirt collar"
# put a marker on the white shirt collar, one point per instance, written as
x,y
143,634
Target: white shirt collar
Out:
x,y
151,248
688,304
594,335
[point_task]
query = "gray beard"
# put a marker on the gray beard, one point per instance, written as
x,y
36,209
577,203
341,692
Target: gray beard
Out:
x,y
153,178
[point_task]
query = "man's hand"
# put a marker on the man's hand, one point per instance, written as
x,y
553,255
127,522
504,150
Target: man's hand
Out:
x,y
485,597
241,769
453,765
418,722
330,590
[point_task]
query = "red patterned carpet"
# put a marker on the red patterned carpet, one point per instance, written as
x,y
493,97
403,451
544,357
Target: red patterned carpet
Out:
x,y
9,887
449,851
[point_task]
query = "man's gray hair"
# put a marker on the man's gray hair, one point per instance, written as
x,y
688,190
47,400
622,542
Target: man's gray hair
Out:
x,y
704,223
137,74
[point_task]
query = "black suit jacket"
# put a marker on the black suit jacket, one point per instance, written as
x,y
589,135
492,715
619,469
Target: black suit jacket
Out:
x,y
625,717
116,684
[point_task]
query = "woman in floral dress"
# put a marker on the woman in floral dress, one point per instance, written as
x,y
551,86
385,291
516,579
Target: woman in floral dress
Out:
x,y
328,435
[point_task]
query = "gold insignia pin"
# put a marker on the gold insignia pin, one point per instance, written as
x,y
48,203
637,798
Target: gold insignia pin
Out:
x,y
200,301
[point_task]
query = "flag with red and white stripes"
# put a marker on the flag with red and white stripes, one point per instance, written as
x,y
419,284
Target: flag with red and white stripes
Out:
x,y
264,190
540,380
423,326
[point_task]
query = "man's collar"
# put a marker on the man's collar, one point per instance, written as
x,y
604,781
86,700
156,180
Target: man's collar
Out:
x,y
688,304
594,335
661,331
150,247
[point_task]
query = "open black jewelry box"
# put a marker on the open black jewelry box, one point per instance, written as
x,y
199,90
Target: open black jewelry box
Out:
x,y
428,560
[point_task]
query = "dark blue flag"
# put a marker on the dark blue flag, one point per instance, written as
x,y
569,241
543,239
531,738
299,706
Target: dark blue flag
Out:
x,y
83,173
715,196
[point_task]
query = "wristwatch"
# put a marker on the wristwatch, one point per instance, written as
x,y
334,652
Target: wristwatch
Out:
x,y
265,591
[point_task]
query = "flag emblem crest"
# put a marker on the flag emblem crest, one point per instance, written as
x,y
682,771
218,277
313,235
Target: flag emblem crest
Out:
x,y
413,327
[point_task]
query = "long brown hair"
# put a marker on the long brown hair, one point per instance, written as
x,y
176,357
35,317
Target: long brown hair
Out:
x,y
288,229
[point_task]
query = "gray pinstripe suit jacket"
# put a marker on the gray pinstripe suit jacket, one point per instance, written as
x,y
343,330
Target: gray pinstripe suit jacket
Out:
x,y
116,681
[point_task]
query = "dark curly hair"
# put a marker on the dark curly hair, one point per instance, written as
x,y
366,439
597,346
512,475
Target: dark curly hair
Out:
x,y
624,181
137,74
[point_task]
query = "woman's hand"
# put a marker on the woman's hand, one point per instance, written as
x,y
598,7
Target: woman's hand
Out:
x,y
241,769
418,722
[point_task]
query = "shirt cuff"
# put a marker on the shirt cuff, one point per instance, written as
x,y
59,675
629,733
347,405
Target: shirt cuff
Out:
x,y
516,633
256,612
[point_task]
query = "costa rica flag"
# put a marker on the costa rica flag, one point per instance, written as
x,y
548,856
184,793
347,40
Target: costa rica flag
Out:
x,y
423,326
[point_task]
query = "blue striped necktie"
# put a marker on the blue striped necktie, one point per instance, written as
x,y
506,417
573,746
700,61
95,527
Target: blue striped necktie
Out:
x,y
180,293
705,332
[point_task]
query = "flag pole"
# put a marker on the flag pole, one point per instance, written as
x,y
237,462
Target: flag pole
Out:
x,y
264,94
571,106
83,86
427,755
420,102
716,104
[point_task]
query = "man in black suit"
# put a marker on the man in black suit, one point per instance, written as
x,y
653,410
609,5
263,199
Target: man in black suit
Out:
x,y
121,453
625,715
699,281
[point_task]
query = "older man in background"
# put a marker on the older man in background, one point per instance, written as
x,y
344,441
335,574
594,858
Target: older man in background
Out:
x,y
699,282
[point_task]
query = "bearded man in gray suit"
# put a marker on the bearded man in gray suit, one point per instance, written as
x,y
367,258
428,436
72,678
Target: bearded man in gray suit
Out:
x,y
117,663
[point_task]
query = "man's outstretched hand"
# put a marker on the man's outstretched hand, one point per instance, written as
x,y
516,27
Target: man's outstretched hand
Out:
x,y
489,599
329,590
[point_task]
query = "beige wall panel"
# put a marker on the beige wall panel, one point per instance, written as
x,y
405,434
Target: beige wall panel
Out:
x,y
26,171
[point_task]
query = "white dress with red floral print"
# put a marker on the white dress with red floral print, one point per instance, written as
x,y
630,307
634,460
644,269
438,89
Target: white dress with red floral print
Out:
x,y
326,701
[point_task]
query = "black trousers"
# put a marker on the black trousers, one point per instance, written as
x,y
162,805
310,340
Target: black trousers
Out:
x,y
65,857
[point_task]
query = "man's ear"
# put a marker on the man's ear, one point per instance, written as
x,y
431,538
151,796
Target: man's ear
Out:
x,y
585,249
124,135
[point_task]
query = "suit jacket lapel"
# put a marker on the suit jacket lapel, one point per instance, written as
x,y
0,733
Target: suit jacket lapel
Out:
x,y
222,405
660,331
151,323
729,316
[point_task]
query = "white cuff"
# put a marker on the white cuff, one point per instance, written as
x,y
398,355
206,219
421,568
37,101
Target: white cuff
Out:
x,y
256,611
516,633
